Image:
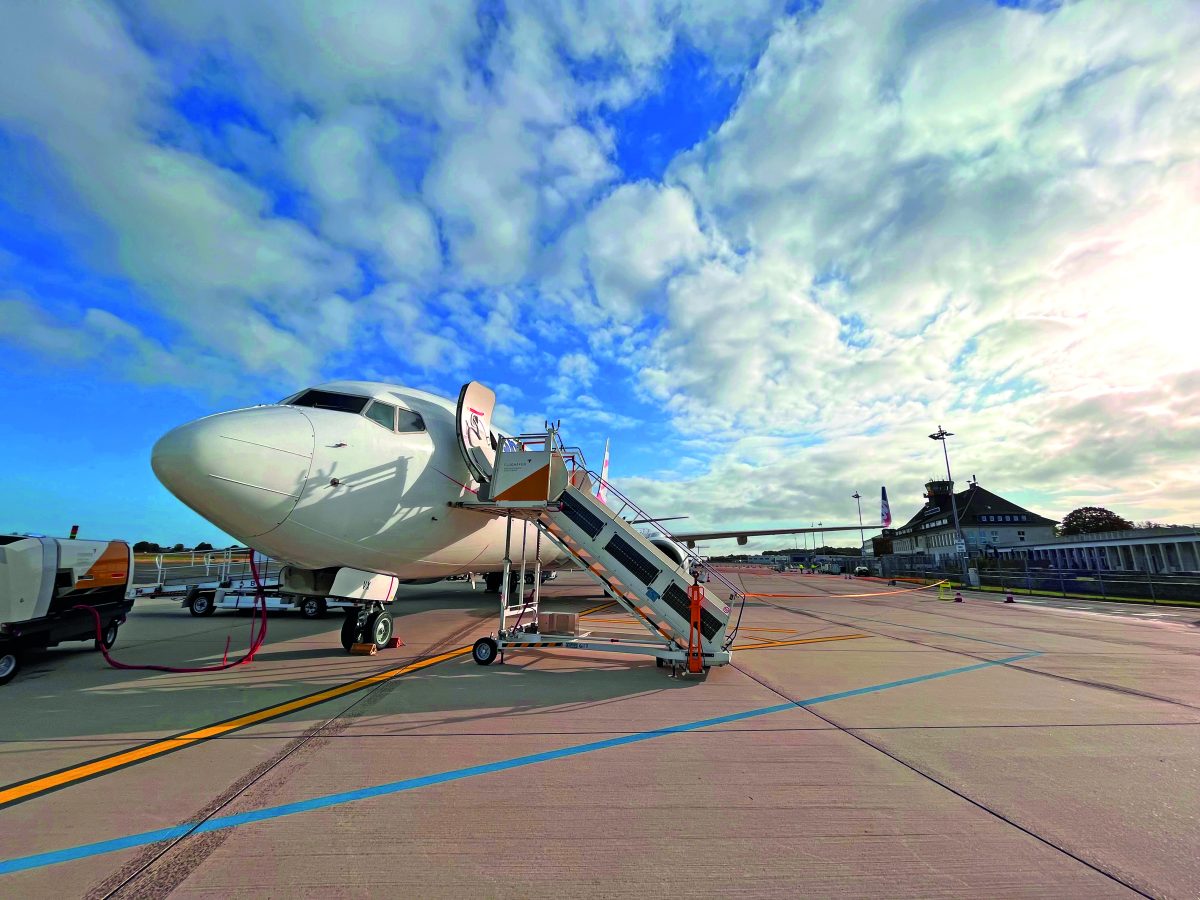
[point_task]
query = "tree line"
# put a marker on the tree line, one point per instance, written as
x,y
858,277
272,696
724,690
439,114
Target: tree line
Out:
x,y
1096,519
151,547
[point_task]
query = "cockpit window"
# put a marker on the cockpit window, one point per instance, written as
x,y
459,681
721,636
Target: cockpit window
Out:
x,y
330,400
383,413
406,420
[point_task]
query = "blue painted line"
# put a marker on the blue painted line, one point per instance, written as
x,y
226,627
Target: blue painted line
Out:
x,y
83,851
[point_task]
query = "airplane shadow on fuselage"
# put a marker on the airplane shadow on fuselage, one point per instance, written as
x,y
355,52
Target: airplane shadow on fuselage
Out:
x,y
378,493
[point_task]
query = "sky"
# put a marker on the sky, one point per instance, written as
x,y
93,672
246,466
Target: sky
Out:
x,y
767,248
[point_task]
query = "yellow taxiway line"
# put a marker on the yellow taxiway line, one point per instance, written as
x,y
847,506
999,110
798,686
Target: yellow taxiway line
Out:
x,y
24,790
818,640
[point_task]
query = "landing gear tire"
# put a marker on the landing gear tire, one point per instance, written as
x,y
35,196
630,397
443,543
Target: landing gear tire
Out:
x,y
350,629
484,652
108,637
200,604
313,607
491,581
379,629
660,662
10,664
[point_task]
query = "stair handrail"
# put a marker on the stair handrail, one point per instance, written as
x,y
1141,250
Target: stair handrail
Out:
x,y
693,557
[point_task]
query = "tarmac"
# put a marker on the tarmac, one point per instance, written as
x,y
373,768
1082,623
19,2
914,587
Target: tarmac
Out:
x,y
868,740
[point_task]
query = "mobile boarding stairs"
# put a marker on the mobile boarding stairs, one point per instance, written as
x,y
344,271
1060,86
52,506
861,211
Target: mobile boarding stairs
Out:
x,y
536,479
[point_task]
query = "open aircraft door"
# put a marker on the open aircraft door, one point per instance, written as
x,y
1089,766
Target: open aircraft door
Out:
x,y
474,426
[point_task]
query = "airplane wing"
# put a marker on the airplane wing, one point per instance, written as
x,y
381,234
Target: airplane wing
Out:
x,y
744,534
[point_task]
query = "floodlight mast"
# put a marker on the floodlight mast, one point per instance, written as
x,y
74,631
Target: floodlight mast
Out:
x,y
857,497
940,435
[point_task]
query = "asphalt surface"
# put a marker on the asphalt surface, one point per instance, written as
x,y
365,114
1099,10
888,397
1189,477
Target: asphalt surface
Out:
x,y
910,748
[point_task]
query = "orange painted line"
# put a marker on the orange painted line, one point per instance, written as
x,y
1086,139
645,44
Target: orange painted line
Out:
x,y
836,637
25,790
839,596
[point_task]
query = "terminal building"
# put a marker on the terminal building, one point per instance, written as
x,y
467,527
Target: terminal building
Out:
x,y
988,522
1156,550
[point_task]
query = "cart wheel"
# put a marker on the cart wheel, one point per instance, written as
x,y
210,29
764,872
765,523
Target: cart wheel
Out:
x,y
313,608
379,629
10,664
202,604
350,629
484,651
109,636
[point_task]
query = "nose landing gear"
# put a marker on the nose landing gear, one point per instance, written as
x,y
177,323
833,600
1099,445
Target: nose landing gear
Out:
x,y
371,624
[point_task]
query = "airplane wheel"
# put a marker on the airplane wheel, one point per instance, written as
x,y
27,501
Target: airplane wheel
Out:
x,y
491,581
484,651
313,607
10,664
108,637
379,629
660,662
200,604
350,629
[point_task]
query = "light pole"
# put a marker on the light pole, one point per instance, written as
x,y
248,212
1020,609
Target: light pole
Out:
x,y
940,435
861,540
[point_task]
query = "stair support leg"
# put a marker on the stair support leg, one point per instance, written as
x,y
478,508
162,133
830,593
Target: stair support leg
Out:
x,y
695,657
505,580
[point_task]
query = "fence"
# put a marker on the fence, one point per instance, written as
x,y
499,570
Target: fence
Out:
x,y
1019,577
217,566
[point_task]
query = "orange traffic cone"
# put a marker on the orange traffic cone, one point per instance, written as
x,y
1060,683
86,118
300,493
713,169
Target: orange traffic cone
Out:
x,y
1008,598
958,596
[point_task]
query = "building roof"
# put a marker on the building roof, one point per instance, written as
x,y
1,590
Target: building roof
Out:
x,y
973,505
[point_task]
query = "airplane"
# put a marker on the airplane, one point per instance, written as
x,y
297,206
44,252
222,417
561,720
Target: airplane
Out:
x,y
352,485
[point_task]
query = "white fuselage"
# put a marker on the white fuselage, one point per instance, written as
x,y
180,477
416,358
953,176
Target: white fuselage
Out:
x,y
320,487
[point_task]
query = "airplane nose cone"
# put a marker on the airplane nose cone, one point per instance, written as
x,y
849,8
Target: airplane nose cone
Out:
x,y
241,470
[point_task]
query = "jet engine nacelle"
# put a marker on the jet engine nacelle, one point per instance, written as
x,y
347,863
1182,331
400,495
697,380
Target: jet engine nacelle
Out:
x,y
670,550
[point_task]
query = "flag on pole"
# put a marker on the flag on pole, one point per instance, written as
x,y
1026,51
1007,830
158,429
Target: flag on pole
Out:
x,y
602,492
885,511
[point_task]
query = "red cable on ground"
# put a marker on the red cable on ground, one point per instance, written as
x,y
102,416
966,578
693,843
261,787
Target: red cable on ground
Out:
x,y
257,640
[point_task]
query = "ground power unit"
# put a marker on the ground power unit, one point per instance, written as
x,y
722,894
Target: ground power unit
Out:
x,y
43,579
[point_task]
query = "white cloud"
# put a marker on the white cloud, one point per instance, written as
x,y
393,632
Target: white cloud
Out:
x,y
199,240
338,160
915,212
633,239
